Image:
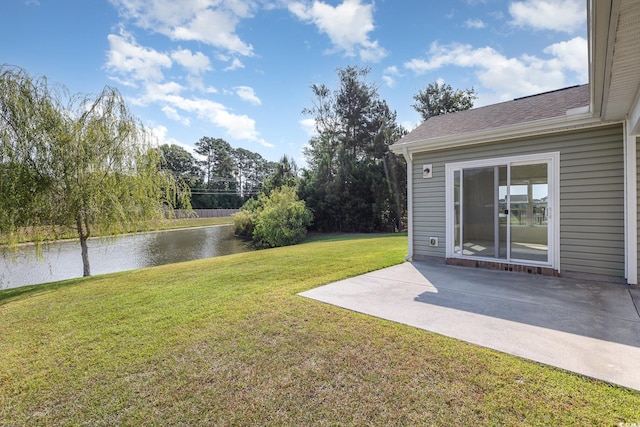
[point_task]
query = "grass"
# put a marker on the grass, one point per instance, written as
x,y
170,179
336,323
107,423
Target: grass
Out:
x,y
226,341
168,224
171,224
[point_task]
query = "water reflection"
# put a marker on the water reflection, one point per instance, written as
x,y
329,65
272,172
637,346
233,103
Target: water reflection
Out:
x,y
62,260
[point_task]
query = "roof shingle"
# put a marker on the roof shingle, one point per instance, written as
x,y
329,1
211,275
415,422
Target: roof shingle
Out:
x,y
521,110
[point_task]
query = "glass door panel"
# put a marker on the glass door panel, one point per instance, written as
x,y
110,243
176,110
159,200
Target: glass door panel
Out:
x,y
502,213
528,212
457,212
478,212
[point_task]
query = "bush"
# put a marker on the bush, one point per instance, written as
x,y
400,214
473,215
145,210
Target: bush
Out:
x,y
245,219
243,222
280,219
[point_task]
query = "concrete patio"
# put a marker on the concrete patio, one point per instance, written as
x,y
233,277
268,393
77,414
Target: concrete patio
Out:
x,y
591,328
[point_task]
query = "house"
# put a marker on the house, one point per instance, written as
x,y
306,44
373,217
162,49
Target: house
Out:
x,y
542,184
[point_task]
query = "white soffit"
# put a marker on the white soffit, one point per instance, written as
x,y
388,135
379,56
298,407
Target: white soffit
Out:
x,y
625,67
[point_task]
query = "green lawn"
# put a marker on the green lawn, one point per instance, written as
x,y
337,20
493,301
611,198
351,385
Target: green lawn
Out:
x,y
168,224
226,341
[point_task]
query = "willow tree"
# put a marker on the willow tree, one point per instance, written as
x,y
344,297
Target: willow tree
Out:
x,y
75,162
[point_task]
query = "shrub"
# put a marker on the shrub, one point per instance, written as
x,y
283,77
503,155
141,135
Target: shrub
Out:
x,y
244,220
280,219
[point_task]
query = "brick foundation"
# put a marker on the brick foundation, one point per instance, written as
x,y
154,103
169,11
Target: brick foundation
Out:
x,y
492,265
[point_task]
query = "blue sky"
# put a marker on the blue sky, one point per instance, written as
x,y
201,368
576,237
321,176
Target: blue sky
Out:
x,y
241,70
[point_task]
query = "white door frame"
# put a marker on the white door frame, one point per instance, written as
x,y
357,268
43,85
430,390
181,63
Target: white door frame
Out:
x,y
553,160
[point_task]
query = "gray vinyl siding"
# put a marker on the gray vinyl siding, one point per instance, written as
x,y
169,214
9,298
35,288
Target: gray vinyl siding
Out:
x,y
591,195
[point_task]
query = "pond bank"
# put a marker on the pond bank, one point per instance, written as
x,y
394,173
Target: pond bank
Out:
x,y
61,260
174,224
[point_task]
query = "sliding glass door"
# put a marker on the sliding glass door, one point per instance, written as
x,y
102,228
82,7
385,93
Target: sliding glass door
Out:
x,y
528,212
500,210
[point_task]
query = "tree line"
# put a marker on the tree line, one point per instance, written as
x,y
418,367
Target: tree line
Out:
x,y
352,182
223,177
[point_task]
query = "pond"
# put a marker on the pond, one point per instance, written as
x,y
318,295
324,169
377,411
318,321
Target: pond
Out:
x,y
62,260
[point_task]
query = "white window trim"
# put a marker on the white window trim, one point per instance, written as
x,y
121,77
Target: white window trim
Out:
x,y
554,195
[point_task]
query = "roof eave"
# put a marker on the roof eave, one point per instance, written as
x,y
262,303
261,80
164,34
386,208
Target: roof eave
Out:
x,y
602,23
539,127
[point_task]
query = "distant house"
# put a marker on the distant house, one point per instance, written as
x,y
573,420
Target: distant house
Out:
x,y
546,183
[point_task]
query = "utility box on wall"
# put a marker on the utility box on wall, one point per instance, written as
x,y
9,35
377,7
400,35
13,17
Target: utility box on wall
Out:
x,y
427,171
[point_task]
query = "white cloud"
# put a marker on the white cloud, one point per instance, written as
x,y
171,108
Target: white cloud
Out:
x,y
372,52
129,59
173,114
474,23
389,74
214,27
235,64
159,134
347,25
558,15
237,126
123,82
177,107
309,126
247,93
196,63
573,55
392,70
145,65
159,91
212,22
512,77
388,80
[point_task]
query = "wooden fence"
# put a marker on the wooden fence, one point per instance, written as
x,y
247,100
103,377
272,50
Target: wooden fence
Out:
x,y
204,213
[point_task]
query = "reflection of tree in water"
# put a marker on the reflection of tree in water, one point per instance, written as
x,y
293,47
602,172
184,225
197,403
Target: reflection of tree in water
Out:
x,y
186,245
60,260
28,264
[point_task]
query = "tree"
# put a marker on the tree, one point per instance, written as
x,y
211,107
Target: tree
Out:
x,y
438,99
227,176
82,163
245,164
218,162
219,170
285,174
252,170
181,164
348,182
273,220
